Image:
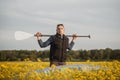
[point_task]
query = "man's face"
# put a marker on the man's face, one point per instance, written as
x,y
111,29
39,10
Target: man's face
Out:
x,y
60,30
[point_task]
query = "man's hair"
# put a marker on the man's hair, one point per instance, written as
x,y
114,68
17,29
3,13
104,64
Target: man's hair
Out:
x,y
60,25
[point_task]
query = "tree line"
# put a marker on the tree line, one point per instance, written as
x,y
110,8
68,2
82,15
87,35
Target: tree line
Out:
x,y
73,55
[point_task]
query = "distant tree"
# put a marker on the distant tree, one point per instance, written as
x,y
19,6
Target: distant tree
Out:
x,y
116,54
73,55
101,54
107,53
94,54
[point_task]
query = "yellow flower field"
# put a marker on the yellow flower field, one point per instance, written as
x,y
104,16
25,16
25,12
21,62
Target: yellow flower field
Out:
x,y
27,71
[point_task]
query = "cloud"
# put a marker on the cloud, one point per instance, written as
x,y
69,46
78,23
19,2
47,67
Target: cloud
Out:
x,y
98,18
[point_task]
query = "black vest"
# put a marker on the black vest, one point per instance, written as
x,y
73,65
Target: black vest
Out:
x,y
58,48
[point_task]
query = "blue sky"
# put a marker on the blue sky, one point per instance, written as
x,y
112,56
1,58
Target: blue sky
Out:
x,y
99,18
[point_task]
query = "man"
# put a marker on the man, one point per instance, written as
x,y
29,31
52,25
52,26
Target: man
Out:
x,y
59,43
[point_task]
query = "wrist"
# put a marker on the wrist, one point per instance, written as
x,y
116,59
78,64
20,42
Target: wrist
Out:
x,y
73,40
38,38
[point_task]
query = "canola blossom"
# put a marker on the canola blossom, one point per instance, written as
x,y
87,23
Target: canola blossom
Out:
x,y
72,71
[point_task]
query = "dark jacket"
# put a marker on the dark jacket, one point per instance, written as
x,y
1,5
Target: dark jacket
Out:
x,y
58,48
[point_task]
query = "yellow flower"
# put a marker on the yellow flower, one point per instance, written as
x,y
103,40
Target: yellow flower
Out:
x,y
53,66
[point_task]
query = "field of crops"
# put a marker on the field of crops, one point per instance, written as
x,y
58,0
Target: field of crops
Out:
x,y
30,71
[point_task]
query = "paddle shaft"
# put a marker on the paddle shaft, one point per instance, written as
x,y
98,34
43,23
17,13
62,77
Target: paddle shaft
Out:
x,y
66,35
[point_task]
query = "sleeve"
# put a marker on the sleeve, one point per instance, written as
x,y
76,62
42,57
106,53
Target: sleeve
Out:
x,y
46,43
71,45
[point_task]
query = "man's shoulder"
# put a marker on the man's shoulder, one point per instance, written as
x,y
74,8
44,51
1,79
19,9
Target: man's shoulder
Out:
x,y
53,37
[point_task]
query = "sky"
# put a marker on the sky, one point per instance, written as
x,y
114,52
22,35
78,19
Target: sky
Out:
x,y
98,18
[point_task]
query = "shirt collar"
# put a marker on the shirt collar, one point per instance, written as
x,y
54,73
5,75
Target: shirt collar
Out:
x,y
61,36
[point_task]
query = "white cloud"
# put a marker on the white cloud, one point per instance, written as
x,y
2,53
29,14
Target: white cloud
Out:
x,y
98,18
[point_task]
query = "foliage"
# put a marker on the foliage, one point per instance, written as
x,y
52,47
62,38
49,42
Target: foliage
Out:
x,y
78,55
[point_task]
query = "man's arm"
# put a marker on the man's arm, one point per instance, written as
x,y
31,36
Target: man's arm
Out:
x,y
46,43
41,43
71,45
72,42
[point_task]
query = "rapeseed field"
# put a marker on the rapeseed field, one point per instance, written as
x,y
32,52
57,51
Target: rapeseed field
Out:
x,y
27,70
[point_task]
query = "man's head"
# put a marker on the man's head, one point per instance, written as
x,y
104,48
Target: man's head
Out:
x,y
60,29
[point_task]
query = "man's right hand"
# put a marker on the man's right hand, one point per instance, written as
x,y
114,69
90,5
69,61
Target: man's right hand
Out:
x,y
38,34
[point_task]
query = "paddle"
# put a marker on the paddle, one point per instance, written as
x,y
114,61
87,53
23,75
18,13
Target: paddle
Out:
x,y
20,35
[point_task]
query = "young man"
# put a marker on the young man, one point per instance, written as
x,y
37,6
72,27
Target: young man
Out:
x,y
59,43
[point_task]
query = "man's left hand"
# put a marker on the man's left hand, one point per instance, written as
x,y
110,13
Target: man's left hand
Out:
x,y
74,37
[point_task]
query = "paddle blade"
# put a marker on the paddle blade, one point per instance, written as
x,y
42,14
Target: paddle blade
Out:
x,y
20,35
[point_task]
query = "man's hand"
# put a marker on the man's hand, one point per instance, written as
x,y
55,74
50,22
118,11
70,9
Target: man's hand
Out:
x,y
74,37
38,34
